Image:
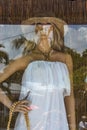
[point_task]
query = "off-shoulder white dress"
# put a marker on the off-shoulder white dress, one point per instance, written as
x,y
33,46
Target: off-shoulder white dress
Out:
x,y
48,83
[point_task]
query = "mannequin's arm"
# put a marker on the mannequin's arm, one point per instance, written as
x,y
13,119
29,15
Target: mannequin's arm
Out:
x,y
69,100
57,56
4,99
22,107
14,66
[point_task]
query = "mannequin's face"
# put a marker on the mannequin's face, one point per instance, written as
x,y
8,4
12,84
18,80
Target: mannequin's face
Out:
x,y
44,44
45,37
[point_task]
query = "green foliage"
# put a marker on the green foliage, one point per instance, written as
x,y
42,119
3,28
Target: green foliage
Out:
x,y
79,78
79,68
85,53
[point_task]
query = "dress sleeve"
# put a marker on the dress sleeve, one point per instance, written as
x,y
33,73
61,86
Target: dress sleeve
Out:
x,y
66,80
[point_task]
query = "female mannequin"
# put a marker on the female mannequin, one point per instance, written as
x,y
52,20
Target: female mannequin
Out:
x,y
45,54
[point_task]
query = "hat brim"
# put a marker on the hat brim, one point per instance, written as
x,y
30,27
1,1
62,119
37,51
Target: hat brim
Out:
x,y
45,20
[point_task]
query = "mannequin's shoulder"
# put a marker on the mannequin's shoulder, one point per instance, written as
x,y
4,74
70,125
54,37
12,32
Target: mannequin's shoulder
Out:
x,y
68,58
60,56
64,54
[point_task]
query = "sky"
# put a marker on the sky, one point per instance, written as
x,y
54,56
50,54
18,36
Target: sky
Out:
x,y
75,37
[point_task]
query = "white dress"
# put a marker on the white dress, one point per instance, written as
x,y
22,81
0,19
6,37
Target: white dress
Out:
x,y
48,83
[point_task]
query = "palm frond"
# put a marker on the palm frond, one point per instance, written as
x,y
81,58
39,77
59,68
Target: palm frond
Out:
x,y
2,46
4,55
29,46
18,42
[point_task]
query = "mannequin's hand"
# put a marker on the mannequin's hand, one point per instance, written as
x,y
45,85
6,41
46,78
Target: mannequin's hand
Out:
x,y
22,106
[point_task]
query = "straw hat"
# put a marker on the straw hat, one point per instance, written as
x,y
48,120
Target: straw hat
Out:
x,y
44,20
